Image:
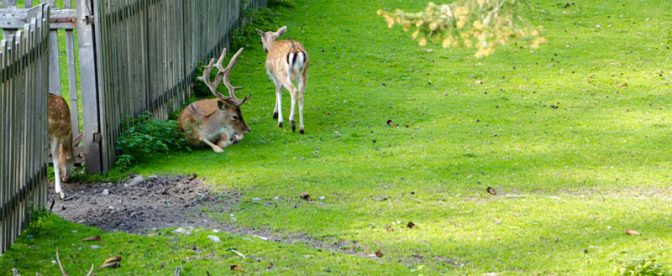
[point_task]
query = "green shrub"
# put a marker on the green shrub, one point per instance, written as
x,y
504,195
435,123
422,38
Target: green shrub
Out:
x,y
144,137
198,88
640,266
281,3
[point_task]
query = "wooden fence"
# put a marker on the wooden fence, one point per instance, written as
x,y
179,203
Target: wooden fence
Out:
x,y
147,52
24,59
124,57
134,56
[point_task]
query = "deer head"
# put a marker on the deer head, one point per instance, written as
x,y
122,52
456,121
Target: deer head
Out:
x,y
230,105
267,38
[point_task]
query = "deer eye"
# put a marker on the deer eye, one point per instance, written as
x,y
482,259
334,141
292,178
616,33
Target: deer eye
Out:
x,y
235,117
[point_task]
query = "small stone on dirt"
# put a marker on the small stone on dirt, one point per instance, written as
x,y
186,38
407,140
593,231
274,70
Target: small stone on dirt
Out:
x,y
136,180
182,231
382,198
105,192
214,238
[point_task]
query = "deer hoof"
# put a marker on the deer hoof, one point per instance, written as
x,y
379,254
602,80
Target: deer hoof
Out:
x,y
61,195
293,126
275,115
280,124
301,131
218,150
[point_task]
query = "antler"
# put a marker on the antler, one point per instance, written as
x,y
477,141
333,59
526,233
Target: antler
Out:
x,y
222,76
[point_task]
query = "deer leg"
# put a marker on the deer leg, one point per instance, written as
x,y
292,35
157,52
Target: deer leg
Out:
x,y
302,88
224,141
291,112
292,93
278,89
278,103
214,147
57,167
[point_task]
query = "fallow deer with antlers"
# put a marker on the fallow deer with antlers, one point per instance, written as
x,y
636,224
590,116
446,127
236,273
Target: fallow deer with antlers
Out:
x,y
218,122
286,61
60,140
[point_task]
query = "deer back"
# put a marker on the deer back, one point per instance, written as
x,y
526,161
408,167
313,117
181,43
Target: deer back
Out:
x,y
60,126
283,55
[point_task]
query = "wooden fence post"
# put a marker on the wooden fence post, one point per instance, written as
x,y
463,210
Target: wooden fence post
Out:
x,y
92,106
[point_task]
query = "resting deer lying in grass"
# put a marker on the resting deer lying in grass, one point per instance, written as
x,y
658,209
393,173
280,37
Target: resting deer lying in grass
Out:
x,y
60,140
286,60
218,122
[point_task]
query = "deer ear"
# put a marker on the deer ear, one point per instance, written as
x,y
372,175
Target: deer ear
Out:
x,y
78,139
281,31
260,32
224,104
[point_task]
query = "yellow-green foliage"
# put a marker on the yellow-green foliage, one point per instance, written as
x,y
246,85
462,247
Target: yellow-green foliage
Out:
x,y
484,24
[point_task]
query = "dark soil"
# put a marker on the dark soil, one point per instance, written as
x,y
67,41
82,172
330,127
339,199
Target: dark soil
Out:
x,y
143,204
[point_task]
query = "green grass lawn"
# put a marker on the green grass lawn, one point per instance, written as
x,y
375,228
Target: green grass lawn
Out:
x,y
574,137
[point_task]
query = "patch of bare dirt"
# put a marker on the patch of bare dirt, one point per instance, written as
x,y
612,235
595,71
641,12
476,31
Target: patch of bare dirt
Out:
x,y
143,204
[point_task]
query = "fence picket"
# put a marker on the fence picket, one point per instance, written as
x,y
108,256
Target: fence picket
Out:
x,y
24,91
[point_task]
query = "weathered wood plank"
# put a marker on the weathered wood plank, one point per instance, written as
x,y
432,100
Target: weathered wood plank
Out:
x,y
17,18
92,101
72,81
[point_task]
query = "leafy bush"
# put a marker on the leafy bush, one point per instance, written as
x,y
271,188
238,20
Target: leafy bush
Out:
x,y
640,266
198,88
281,3
143,137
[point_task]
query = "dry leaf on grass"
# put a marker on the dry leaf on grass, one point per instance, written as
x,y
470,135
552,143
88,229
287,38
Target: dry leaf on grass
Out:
x,y
305,196
410,225
389,228
236,268
632,232
112,262
94,238
491,191
379,254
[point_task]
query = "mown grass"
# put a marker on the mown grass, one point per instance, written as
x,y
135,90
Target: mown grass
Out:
x,y
573,137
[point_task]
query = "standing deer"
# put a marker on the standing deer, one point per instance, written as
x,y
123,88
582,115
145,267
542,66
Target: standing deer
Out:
x,y
218,122
286,60
60,139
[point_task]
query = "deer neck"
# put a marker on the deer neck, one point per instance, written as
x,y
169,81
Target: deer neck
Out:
x,y
67,144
